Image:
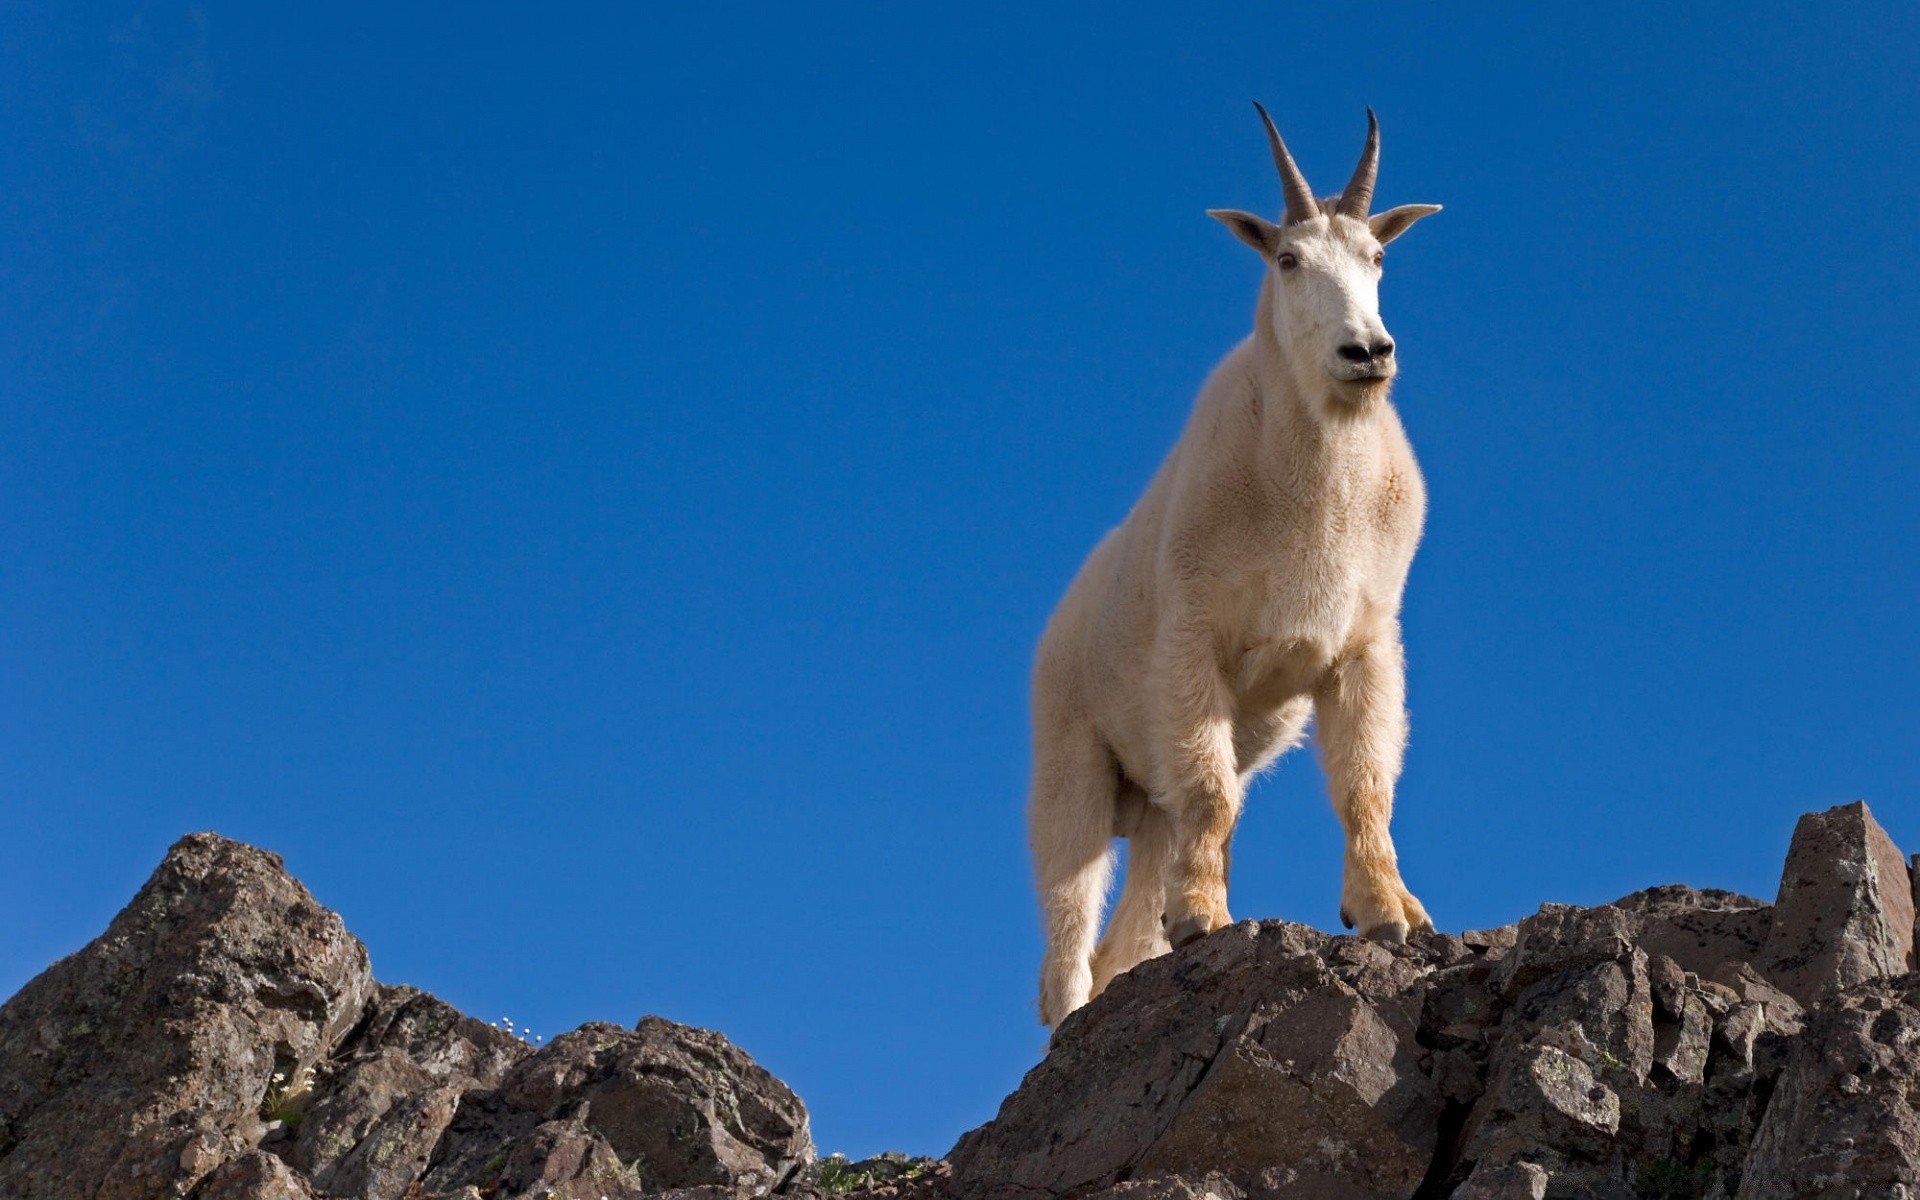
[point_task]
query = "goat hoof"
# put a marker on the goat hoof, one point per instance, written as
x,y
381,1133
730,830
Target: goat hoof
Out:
x,y
1187,931
1393,933
1345,920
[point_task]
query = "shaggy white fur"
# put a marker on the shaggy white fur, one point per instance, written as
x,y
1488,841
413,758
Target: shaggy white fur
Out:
x,y
1254,587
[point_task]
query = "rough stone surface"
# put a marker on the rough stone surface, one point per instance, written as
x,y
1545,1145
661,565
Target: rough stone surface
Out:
x,y
686,1102
1581,1052
1843,1121
255,1175
1515,1181
1266,1046
223,1040
1699,928
448,1045
565,1159
1845,910
139,1064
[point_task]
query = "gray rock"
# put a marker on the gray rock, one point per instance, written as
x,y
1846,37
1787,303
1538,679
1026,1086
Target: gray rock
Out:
x,y
1544,1097
1491,944
1514,1181
1843,1121
254,1175
1845,910
565,1160
1561,938
1603,1012
451,1047
136,1066
396,1150
1699,928
347,1108
474,1149
1267,1052
1210,1186
694,1108
383,1103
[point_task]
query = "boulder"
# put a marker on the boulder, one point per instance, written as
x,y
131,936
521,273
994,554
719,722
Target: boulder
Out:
x,y
224,1039
451,1047
1267,1052
136,1066
373,1119
674,1106
1843,1120
254,1175
1699,928
1514,1181
1845,910
689,1104
565,1160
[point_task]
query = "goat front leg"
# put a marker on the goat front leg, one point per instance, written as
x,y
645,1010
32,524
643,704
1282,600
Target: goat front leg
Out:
x,y
1198,787
1362,714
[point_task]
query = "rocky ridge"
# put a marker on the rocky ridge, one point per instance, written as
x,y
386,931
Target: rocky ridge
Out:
x,y
224,1039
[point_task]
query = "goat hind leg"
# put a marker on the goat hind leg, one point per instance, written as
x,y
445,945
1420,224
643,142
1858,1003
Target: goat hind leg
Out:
x,y
1070,826
1134,932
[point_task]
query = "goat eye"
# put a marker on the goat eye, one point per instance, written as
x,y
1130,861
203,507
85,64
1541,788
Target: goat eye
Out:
x,y
1379,257
1286,261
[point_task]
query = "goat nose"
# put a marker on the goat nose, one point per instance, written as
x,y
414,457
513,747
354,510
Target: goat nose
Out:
x,y
1383,348
1354,352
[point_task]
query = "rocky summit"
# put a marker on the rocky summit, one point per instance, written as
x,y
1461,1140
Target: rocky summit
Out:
x,y
224,1039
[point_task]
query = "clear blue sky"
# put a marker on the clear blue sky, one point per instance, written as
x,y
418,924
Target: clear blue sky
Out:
x,y
585,486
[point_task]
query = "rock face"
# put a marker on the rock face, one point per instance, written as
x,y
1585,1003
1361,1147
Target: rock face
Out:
x,y
224,1039
1842,1122
1269,1048
1845,911
143,1061
1654,1047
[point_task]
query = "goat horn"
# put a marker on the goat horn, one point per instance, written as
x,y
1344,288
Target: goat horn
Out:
x,y
1358,198
1301,206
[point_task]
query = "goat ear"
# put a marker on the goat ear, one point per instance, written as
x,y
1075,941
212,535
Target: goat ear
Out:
x,y
1263,235
1392,223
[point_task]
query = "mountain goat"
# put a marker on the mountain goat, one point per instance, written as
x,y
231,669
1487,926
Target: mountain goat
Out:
x,y
1255,586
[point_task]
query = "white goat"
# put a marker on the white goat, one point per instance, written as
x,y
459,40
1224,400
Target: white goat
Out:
x,y
1256,585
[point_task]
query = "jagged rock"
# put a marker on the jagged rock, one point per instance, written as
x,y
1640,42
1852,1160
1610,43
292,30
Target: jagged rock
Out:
x,y
679,1108
1843,1122
1514,1181
224,1041
224,1010
1491,943
348,1109
565,1160
392,1090
1543,1096
1603,1010
448,1045
1845,911
255,1175
135,1067
1266,1047
477,1143
1561,937
695,1108
1699,928
1210,1186
885,1175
